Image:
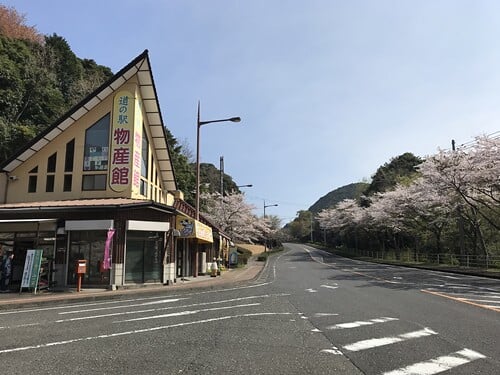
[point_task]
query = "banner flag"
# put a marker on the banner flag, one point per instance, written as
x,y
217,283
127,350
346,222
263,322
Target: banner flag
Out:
x,y
107,250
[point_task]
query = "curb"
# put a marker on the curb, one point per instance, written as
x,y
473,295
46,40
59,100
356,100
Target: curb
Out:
x,y
235,276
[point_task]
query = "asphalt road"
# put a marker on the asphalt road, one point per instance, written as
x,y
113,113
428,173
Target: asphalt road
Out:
x,y
308,313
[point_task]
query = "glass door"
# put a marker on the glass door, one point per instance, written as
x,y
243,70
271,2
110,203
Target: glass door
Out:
x,y
143,259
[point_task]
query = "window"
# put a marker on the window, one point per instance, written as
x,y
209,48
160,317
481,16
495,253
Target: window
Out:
x,y
49,186
144,154
32,184
94,182
143,187
51,163
96,146
151,173
68,181
70,156
34,170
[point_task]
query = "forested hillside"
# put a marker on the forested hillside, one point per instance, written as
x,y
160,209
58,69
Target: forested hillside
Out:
x,y
41,78
351,191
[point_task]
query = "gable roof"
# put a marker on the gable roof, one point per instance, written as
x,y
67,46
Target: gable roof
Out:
x,y
140,66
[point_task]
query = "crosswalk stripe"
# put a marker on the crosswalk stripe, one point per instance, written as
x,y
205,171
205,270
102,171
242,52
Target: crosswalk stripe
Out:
x,y
439,364
373,343
361,323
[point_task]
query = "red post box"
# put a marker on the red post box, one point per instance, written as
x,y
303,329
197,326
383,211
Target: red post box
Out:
x,y
81,269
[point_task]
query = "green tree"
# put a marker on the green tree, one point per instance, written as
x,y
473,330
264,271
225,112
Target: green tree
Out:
x,y
38,84
68,68
300,227
401,169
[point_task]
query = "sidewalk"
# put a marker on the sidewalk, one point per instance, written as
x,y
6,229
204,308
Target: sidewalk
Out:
x,y
230,276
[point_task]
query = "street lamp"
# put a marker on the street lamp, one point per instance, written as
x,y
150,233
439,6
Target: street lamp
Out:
x,y
268,205
249,185
199,125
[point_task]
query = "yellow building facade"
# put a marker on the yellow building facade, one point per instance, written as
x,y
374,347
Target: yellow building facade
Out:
x,y
99,185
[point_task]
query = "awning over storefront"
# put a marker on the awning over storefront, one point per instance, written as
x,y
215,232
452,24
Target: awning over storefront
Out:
x,y
191,228
20,225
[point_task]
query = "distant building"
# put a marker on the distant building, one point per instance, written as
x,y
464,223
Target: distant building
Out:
x,y
99,185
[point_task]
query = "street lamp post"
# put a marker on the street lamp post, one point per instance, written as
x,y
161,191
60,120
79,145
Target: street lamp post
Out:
x,y
269,205
199,124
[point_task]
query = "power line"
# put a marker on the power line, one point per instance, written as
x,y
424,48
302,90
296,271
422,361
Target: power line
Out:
x,y
472,143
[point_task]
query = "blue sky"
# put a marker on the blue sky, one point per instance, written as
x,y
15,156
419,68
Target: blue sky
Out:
x,y
327,90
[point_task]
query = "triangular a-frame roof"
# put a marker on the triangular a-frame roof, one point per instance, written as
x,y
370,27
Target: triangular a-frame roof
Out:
x,y
140,66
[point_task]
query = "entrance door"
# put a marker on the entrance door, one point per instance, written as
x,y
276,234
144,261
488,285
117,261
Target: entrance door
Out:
x,y
88,245
143,259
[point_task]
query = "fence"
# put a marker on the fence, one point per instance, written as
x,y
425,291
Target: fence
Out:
x,y
445,259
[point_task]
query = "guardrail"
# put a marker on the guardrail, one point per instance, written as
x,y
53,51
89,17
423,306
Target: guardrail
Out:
x,y
445,259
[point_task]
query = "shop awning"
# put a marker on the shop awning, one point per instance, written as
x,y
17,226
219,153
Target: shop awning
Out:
x,y
191,228
10,225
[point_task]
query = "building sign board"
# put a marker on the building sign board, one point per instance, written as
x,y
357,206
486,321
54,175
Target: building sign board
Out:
x,y
31,269
122,141
191,228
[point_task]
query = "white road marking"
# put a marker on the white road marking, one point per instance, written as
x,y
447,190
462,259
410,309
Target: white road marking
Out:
x,y
170,307
439,364
320,315
310,290
137,331
361,323
478,300
122,306
182,313
329,286
333,350
373,343
458,286
135,299
315,330
21,326
73,306
451,277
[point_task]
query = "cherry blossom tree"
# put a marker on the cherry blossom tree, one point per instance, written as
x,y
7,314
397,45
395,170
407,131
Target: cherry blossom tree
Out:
x,y
470,178
235,217
455,191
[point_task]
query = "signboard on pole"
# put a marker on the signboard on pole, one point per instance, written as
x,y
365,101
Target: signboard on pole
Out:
x,y
32,269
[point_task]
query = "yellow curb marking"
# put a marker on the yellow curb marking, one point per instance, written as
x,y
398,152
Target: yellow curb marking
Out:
x,y
461,300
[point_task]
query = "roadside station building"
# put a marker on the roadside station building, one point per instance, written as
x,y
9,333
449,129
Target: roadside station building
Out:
x,y
99,185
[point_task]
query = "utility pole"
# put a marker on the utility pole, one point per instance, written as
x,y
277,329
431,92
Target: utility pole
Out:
x,y
460,219
221,176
